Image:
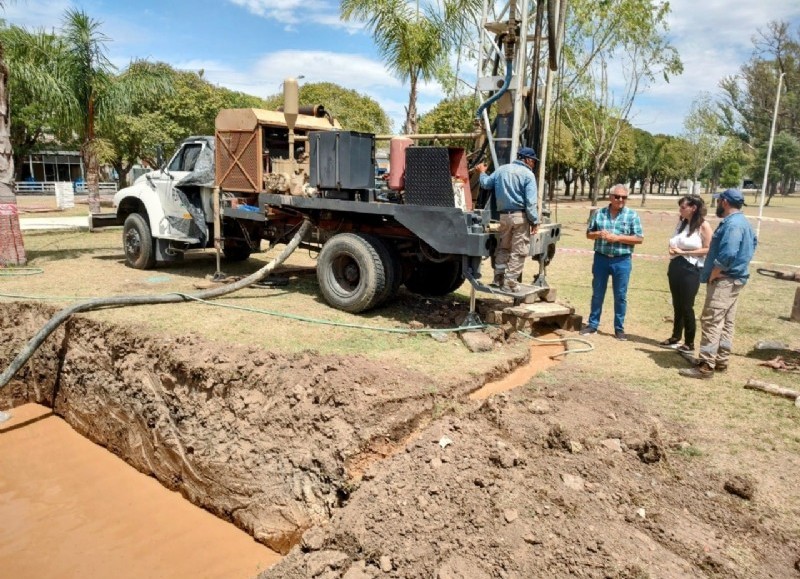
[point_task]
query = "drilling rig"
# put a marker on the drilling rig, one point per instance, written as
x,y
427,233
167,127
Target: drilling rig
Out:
x,y
426,227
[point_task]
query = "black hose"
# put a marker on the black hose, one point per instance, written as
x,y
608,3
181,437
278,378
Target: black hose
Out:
x,y
119,301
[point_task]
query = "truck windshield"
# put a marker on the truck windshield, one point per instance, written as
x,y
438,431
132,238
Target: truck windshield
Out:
x,y
186,158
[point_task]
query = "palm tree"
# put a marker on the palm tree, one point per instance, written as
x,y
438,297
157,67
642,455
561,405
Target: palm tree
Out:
x,y
414,43
97,91
12,249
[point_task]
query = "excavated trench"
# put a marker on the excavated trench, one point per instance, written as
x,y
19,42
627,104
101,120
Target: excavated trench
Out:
x,y
271,443
568,477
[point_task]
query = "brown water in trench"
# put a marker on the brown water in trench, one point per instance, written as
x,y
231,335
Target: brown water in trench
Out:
x,y
71,509
539,361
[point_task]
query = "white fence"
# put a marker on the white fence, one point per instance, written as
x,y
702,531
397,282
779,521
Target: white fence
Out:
x,y
48,187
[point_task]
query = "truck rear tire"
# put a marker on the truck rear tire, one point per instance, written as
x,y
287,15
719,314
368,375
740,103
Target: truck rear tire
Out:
x,y
391,267
435,279
351,274
137,242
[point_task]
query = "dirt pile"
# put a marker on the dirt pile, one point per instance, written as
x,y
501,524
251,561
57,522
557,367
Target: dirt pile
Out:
x,y
570,480
375,471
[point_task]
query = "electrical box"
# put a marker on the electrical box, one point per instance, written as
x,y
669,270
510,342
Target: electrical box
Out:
x,y
342,160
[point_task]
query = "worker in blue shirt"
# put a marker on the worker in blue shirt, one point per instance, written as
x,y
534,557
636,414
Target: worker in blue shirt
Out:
x,y
514,186
726,271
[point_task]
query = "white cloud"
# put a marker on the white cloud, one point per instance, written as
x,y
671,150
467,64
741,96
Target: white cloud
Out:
x,y
295,12
713,38
353,71
46,14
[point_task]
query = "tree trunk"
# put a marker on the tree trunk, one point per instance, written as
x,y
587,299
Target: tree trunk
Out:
x,y
12,249
595,188
644,190
92,176
411,111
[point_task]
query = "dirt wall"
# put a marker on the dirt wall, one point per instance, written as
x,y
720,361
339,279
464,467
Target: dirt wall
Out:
x,y
255,437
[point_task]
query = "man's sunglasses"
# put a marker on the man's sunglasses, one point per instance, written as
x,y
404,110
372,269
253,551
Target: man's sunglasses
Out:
x,y
620,197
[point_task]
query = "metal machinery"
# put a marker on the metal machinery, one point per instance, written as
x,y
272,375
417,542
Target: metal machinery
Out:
x,y
425,226
509,77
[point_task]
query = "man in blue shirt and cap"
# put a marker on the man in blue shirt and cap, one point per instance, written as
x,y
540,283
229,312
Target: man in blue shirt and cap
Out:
x,y
514,187
725,271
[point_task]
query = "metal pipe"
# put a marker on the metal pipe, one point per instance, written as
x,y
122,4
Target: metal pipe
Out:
x,y
418,136
217,230
522,55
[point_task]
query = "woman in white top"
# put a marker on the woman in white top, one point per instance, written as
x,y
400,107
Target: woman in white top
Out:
x,y
687,250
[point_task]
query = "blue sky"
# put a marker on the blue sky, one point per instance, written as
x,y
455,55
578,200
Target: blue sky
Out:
x,y
252,45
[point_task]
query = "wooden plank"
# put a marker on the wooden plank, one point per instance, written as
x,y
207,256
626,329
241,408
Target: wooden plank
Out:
x,y
774,389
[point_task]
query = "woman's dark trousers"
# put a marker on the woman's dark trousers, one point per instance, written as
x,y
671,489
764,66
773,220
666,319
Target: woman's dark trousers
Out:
x,y
684,281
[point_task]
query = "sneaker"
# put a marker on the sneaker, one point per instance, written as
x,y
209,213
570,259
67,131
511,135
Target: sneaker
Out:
x,y
588,330
621,336
670,343
701,372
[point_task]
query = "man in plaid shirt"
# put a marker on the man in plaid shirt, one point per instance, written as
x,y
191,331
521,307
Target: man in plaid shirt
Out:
x,y
615,230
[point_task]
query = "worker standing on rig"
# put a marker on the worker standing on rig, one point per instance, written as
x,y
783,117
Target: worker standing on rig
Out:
x,y
514,186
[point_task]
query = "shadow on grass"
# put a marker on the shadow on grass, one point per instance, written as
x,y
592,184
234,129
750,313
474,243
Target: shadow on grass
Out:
x,y
661,356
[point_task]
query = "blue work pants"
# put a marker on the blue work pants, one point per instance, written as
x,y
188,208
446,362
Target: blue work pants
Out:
x,y
618,268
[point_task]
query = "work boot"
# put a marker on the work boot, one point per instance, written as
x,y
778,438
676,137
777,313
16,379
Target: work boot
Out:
x,y
499,275
702,372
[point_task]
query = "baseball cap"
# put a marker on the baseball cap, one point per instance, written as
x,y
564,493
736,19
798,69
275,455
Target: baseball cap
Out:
x,y
731,195
527,153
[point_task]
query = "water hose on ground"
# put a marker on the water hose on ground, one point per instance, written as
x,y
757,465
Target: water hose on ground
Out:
x,y
120,301
564,340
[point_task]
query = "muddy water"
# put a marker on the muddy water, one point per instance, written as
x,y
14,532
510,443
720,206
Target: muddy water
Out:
x,y
70,509
539,361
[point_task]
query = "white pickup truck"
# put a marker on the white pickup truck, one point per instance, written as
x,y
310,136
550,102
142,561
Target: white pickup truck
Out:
x,y
169,211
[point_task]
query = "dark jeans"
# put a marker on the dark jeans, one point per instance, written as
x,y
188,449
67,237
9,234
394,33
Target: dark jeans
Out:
x,y
619,270
684,281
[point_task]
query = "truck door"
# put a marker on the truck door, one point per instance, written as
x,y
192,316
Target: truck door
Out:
x,y
181,164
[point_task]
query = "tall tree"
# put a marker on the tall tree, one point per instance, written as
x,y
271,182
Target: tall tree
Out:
x,y
615,51
12,248
97,91
784,163
38,94
414,40
702,133
748,98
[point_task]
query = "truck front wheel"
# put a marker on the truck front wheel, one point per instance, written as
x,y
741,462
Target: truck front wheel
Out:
x,y
137,241
351,273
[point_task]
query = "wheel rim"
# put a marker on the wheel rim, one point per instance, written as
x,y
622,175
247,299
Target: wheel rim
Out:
x,y
133,244
347,273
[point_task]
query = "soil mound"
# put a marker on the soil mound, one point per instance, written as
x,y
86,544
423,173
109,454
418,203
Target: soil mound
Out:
x,y
575,480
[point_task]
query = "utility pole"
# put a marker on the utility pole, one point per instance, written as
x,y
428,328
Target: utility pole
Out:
x,y
769,153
